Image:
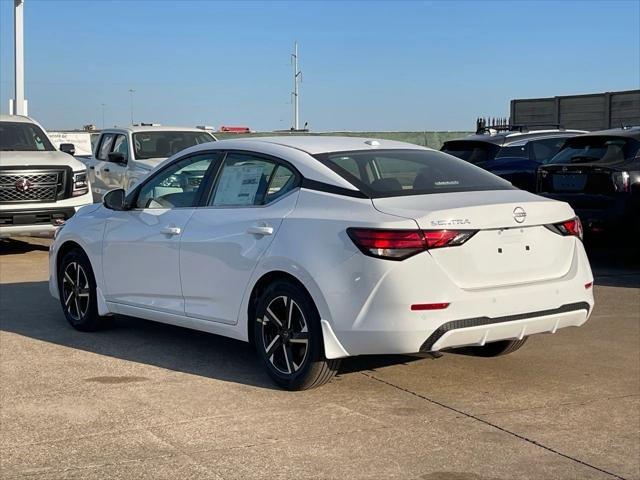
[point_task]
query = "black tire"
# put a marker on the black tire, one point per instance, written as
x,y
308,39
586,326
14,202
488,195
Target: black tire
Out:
x,y
493,349
79,304
283,312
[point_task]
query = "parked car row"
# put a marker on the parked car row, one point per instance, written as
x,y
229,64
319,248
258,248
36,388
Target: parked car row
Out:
x,y
318,248
597,173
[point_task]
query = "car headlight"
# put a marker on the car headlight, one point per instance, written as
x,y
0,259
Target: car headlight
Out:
x,y
80,183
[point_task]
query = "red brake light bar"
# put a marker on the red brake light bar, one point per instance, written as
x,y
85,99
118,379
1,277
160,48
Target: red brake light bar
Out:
x,y
401,244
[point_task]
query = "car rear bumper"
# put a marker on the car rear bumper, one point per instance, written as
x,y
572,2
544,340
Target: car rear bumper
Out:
x,y
386,324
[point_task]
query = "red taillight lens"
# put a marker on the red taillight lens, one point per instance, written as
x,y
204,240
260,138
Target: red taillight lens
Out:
x,y
401,244
571,227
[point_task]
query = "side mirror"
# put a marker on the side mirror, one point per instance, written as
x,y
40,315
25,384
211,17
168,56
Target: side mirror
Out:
x,y
69,148
115,200
117,157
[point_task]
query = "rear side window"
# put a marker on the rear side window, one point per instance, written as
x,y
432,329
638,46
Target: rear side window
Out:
x,y
515,150
247,180
391,173
470,150
543,150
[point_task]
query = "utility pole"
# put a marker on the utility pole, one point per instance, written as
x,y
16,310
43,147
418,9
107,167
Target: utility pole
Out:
x,y
103,106
19,105
131,91
297,76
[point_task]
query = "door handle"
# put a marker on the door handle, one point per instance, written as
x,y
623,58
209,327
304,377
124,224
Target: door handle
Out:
x,y
92,167
260,230
106,170
170,231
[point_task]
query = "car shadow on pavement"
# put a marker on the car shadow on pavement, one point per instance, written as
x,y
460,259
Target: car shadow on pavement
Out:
x,y
27,309
615,267
12,246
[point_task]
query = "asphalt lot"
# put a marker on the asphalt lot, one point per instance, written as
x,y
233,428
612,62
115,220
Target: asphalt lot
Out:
x,y
146,400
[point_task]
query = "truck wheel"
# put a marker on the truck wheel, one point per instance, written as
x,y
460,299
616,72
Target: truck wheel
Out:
x,y
288,338
77,288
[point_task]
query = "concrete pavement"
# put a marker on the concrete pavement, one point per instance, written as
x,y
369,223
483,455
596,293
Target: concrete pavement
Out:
x,y
145,400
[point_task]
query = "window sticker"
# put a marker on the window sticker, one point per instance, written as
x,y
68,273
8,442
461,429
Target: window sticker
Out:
x,y
238,185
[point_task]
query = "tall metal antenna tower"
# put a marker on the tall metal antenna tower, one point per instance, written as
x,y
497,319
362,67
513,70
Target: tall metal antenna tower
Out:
x,y
297,77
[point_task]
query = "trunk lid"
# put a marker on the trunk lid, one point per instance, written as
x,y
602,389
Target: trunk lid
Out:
x,y
509,248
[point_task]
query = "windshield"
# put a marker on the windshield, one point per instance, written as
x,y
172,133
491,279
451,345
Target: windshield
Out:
x,y
163,144
470,150
392,173
597,149
23,137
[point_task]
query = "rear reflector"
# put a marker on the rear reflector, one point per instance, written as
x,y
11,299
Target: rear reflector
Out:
x,y
429,306
401,244
587,286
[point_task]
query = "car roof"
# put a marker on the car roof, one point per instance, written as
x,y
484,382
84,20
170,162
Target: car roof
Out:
x,y
153,128
15,118
316,144
628,132
506,138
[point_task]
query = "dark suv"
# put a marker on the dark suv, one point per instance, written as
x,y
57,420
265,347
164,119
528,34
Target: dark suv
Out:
x,y
513,153
599,176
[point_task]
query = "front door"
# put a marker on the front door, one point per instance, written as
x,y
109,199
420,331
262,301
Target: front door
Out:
x,y
224,241
142,245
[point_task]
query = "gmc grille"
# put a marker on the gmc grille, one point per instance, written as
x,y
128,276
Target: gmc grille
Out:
x,y
32,186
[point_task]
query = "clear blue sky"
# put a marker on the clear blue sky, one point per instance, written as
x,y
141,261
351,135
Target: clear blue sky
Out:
x,y
367,65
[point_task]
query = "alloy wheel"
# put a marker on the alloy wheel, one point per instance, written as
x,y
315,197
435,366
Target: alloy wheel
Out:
x,y
75,290
285,335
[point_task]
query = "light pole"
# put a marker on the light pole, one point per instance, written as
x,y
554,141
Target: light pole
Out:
x,y
103,105
131,91
19,105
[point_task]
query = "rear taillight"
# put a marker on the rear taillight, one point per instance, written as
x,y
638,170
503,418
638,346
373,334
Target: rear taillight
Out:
x,y
401,244
621,181
571,227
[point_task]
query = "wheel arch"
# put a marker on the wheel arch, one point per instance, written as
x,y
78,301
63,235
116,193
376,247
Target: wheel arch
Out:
x,y
267,278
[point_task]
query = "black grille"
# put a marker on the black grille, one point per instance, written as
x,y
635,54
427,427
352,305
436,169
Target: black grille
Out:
x,y
31,186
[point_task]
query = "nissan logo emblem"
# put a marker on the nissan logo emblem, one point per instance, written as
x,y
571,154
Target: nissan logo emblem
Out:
x,y
519,214
22,185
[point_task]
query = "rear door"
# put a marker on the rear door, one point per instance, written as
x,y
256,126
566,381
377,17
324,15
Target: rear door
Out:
x,y
223,242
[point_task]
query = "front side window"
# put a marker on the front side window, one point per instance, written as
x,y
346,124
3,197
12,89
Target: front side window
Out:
x,y
392,173
105,146
601,149
177,186
24,137
163,144
120,145
246,180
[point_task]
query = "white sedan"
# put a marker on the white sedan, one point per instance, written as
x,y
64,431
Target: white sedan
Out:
x,y
318,248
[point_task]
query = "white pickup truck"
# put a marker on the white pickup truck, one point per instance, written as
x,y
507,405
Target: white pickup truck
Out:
x,y
40,187
122,156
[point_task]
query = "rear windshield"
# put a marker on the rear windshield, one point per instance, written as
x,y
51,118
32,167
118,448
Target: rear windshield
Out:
x,y
23,137
392,173
605,149
163,144
471,151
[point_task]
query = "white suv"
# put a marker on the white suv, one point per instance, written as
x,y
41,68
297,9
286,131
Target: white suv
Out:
x,y
122,156
40,187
